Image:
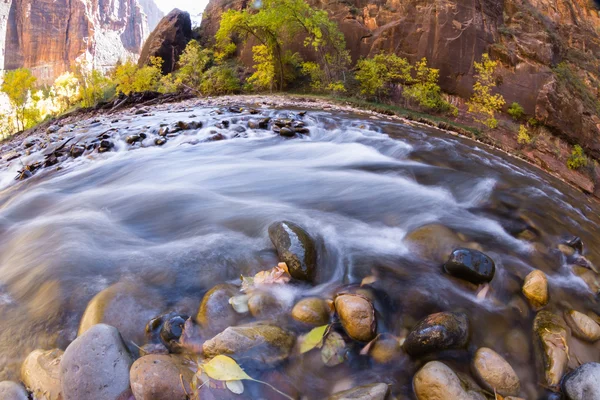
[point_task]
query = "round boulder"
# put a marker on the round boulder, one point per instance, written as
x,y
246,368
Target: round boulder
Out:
x,y
10,390
160,377
357,315
296,248
470,265
96,366
495,373
216,313
127,306
40,372
436,381
535,289
583,326
433,242
311,311
437,332
583,383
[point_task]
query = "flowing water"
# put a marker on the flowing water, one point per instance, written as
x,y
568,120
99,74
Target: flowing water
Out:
x,y
193,213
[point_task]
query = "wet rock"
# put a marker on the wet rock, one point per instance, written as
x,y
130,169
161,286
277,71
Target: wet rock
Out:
x,y
576,243
217,137
583,326
433,242
168,328
470,265
535,289
40,372
132,139
591,278
127,306
96,366
264,305
161,377
436,381
287,132
311,311
159,142
517,344
583,383
12,391
357,316
550,335
374,391
215,312
296,248
76,151
259,124
385,349
258,344
495,373
437,332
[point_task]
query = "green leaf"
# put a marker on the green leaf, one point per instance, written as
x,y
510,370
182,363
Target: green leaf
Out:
x,y
313,339
334,350
223,368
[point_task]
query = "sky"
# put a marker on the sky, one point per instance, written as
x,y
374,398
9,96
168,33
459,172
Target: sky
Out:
x,y
194,7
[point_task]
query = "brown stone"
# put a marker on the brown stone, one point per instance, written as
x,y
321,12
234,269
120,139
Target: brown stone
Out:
x,y
357,316
216,313
535,288
161,377
550,335
436,381
495,373
311,311
583,326
40,372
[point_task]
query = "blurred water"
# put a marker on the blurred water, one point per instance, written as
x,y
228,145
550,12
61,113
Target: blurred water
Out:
x,y
192,213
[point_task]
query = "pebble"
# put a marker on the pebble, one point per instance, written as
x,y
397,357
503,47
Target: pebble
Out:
x,y
437,332
161,377
583,383
40,372
12,391
582,326
311,311
535,289
436,381
374,391
495,373
470,265
357,316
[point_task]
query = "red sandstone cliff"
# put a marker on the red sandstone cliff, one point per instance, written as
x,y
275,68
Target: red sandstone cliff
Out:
x,y
47,36
529,37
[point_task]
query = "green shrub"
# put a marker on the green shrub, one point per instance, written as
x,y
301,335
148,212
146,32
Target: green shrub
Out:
x,y
523,136
426,91
577,159
220,79
516,111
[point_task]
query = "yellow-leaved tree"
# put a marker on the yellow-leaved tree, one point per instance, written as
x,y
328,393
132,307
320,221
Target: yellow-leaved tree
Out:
x,y
129,78
484,104
18,84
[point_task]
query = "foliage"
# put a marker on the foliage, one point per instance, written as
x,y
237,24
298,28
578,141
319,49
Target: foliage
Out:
x,y
523,136
376,75
194,61
264,74
426,91
94,86
484,104
516,111
577,159
315,74
220,79
18,84
313,339
129,78
65,91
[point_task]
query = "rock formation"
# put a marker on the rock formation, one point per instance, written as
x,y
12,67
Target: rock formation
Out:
x,y
168,40
47,36
530,38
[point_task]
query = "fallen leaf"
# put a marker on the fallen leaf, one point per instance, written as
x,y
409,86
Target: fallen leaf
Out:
x,y
313,339
236,387
223,368
365,350
334,350
240,303
278,275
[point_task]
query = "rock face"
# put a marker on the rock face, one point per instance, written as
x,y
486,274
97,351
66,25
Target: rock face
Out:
x,y
96,366
583,383
47,36
168,40
528,39
437,332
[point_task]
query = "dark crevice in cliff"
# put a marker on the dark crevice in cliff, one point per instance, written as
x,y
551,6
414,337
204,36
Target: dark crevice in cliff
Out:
x,y
67,37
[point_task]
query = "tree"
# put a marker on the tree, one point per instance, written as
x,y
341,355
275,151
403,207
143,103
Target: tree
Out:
x,y
425,89
484,104
378,74
194,61
93,84
17,85
65,91
220,79
264,74
129,78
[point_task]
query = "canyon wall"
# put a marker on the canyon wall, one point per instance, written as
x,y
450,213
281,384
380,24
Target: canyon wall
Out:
x,y
48,36
549,49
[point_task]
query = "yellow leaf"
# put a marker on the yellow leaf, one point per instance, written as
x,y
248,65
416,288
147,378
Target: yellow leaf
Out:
x,y
236,387
313,338
223,368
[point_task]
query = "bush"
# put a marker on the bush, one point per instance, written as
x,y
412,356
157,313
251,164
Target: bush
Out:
x,y
220,79
483,103
577,159
426,91
129,78
516,111
523,136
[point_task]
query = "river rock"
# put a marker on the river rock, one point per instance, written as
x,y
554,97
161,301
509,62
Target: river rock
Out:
x,y
437,332
127,306
12,391
470,265
495,373
374,391
96,366
296,248
311,311
583,383
40,372
535,289
258,344
517,344
264,305
357,316
436,381
582,326
433,242
385,349
550,334
160,377
215,312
